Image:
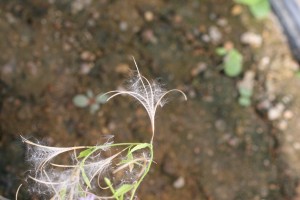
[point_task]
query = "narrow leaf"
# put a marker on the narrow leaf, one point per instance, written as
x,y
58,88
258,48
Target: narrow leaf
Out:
x,y
85,178
139,146
108,182
85,152
123,190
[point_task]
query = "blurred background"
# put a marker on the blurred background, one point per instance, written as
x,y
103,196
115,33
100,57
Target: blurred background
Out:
x,y
237,136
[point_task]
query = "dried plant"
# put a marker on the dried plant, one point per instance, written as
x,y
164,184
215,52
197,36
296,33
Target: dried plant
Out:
x,y
108,171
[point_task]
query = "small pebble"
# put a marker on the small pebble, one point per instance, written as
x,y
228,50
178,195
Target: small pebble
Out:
x,y
78,5
122,69
10,18
276,112
149,36
177,19
282,125
288,114
252,39
266,163
179,183
205,38
263,63
296,145
190,136
222,22
236,10
85,68
287,99
214,34
201,66
123,26
220,125
67,47
233,142
8,68
87,56
197,150
149,16
192,94
228,45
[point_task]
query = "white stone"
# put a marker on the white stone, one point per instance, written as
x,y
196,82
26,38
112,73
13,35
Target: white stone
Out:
x,y
149,16
252,39
283,125
179,183
288,114
215,34
276,112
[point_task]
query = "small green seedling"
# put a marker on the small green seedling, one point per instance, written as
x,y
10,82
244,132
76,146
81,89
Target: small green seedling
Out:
x,y
232,61
245,96
259,8
90,100
298,74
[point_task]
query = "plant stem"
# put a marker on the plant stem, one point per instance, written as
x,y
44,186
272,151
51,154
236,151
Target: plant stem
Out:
x,y
145,173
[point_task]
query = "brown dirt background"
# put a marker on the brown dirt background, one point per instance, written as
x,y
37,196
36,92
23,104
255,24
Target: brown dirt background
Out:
x,y
53,50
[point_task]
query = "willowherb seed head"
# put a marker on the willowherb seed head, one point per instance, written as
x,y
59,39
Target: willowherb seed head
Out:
x,y
66,181
149,94
39,155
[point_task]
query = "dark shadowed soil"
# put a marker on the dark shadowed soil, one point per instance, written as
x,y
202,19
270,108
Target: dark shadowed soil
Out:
x,y
53,50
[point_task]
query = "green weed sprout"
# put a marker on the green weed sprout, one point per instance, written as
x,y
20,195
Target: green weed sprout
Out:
x,y
89,100
106,171
232,61
258,8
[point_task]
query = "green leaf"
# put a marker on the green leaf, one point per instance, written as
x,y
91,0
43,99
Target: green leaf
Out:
x,y
107,181
101,98
233,63
244,101
109,184
85,152
123,190
81,100
94,107
261,9
298,74
245,92
85,178
221,51
139,146
248,2
62,193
